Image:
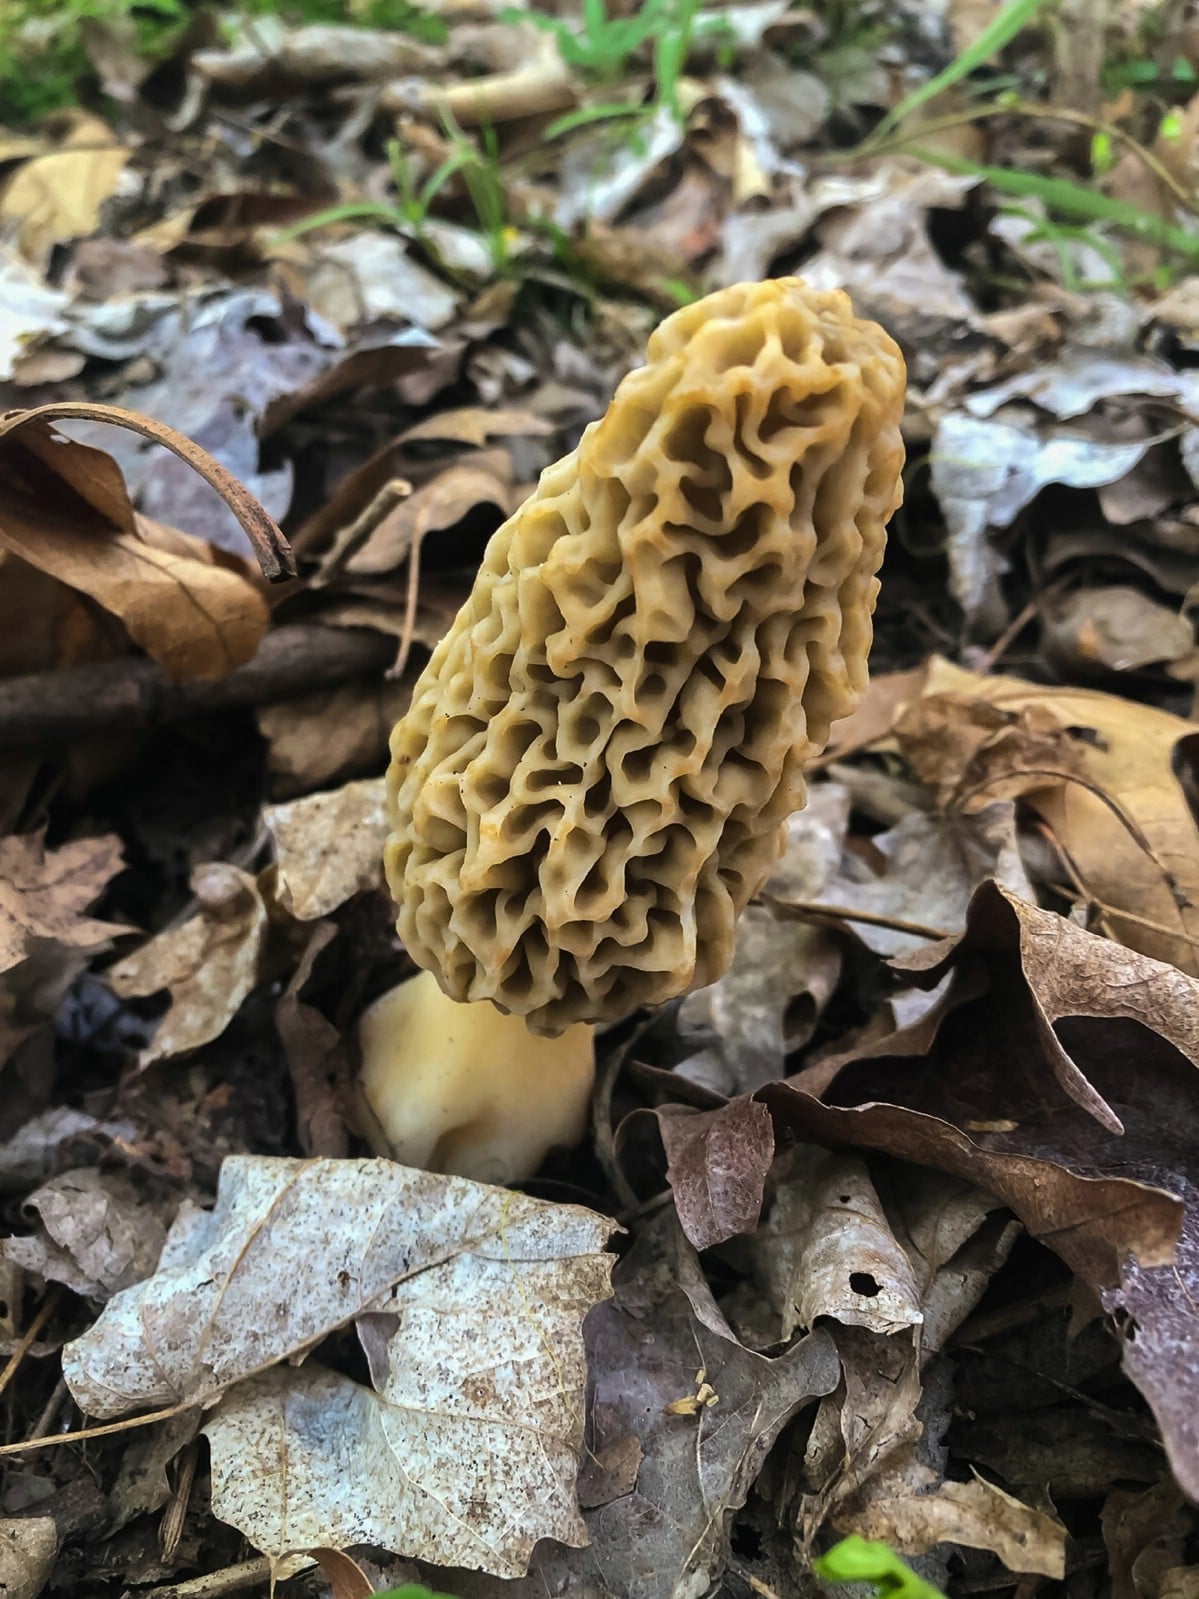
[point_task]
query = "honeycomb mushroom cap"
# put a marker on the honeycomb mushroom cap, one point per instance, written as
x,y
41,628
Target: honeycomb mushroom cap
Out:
x,y
591,779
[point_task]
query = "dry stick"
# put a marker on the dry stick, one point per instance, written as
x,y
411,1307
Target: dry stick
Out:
x,y
842,913
86,1433
233,1579
175,1515
134,693
29,1337
272,549
413,594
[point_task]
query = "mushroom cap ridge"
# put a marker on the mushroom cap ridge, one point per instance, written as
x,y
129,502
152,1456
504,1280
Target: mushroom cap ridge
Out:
x,y
591,779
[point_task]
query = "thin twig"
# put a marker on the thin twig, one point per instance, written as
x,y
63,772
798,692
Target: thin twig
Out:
x,y
29,1337
272,549
49,1410
46,708
842,913
233,1579
86,1433
174,1517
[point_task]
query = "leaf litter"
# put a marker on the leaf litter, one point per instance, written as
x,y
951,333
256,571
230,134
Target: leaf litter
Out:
x,y
912,1245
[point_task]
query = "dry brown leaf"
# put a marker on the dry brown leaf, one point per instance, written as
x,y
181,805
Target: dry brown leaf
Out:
x,y
469,1303
861,1426
1020,1079
317,739
716,1163
58,196
918,1512
96,1233
440,504
328,847
827,1250
66,513
477,425
346,1578
1115,629
686,1415
1101,772
28,1550
208,963
44,893
1146,1533
45,625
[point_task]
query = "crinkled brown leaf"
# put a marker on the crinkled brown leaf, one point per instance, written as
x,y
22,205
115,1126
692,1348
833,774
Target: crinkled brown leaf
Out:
x,y
208,963
827,1250
96,1234
1024,1079
716,1162
675,1399
925,1512
44,893
28,1550
1101,771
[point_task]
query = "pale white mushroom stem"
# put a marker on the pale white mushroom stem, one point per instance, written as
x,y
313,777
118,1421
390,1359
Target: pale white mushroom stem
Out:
x,y
467,1090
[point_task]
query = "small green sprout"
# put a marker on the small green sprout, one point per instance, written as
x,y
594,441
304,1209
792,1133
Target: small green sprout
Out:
x,y
855,1559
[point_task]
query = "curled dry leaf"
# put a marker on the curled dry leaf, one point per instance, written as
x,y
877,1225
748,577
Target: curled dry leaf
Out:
x,y
1102,772
208,963
924,1511
96,1234
328,847
470,1303
66,514
827,1250
1019,1079
716,1163
782,976
860,1427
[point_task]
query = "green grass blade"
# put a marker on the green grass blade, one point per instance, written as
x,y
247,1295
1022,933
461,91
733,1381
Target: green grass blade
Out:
x,y
367,210
1072,199
587,115
1014,17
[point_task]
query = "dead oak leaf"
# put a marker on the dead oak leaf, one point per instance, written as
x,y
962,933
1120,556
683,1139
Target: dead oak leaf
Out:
x,y
469,1302
67,514
328,847
44,893
1102,772
1060,1070
57,196
208,963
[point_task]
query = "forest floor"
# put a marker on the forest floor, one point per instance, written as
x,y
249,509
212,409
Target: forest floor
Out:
x,y
903,1209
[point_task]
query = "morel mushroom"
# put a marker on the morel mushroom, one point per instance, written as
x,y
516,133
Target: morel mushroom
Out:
x,y
592,778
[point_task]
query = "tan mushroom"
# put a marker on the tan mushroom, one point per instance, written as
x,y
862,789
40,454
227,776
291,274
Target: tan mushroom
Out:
x,y
592,777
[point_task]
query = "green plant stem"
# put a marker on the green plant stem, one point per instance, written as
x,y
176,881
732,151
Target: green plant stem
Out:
x,y
1062,194
1023,108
